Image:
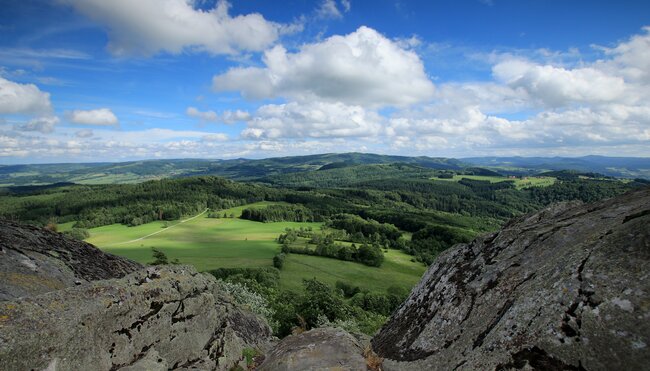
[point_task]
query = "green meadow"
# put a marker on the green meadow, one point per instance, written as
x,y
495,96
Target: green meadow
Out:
x,y
520,183
209,243
397,270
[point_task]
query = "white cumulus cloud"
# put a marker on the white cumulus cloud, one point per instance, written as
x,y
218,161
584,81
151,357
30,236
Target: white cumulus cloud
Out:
x,y
146,27
312,120
557,86
361,68
97,117
541,107
18,98
631,58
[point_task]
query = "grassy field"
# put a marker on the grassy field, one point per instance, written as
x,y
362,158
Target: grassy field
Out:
x,y
209,243
520,183
397,270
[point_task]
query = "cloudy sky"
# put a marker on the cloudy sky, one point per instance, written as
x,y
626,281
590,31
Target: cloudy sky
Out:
x,y
97,80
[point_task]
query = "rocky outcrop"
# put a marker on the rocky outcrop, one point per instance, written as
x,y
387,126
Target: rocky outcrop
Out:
x,y
155,318
65,305
317,349
35,260
567,288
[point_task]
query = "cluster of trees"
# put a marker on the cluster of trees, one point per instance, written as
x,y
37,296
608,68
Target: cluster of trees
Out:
x,y
291,235
362,230
428,242
279,213
370,255
317,304
586,190
380,303
325,245
376,302
467,198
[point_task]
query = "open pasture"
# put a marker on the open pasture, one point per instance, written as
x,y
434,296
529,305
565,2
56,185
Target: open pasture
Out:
x,y
209,243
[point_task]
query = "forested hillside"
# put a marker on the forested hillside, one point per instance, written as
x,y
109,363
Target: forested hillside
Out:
x,y
289,170
436,213
238,169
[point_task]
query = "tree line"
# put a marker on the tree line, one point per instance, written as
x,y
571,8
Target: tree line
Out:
x,y
279,213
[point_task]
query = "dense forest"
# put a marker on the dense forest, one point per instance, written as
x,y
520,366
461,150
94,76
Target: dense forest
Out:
x,y
130,204
279,213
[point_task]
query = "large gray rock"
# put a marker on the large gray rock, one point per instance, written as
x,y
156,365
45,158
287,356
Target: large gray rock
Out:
x,y
155,318
35,260
565,288
317,349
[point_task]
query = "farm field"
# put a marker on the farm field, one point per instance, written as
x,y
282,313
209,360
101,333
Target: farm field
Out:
x,y
209,243
520,183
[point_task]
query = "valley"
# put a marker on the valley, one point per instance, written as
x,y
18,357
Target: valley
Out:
x,y
211,243
351,232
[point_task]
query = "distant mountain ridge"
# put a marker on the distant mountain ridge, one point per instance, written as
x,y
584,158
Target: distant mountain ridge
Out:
x,y
628,167
260,169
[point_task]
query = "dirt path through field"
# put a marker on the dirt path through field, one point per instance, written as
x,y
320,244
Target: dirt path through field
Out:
x,y
160,231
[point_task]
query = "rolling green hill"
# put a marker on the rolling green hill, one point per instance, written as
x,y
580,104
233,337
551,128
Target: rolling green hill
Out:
x,y
273,170
238,169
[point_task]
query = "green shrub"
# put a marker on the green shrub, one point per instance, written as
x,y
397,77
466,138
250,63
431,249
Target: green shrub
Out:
x,y
248,298
320,299
264,276
159,257
347,289
370,255
278,260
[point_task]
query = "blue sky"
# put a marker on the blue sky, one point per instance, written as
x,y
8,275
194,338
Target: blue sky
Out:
x,y
95,80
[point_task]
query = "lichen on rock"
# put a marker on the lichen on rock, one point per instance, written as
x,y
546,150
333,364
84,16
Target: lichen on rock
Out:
x,y
169,316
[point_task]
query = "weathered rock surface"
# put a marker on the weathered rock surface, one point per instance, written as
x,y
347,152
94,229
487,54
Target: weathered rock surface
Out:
x,y
566,288
317,349
34,261
155,318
